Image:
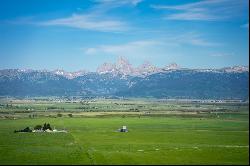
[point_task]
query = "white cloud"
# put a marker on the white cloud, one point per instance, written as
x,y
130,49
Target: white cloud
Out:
x,y
145,48
193,39
119,2
89,22
104,6
192,16
95,18
206,10
196,6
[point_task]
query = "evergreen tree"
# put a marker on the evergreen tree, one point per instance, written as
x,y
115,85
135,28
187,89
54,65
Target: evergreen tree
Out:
x,y
44,126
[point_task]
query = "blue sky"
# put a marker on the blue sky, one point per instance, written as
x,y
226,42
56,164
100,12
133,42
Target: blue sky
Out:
x,y
82,34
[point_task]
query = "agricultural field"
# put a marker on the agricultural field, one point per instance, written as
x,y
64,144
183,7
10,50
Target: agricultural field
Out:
x,y
159,132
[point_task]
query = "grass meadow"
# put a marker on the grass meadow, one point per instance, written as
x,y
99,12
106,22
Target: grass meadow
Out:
x,y
152,138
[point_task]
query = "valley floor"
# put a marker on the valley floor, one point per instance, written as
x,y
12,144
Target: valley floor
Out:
x,y
160,133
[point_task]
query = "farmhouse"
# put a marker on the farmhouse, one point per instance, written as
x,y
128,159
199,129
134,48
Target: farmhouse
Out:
x,y
50,131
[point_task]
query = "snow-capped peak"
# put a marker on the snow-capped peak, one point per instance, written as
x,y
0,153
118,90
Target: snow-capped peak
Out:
x,y
122,66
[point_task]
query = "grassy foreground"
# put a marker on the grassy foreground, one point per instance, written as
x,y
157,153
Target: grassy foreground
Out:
x,y
150,140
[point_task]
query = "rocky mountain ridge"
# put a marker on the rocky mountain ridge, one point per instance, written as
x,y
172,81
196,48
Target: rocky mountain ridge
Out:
x,y
181,84
124,68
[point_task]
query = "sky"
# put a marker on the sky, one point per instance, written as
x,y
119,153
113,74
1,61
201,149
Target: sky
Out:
x,y
82,34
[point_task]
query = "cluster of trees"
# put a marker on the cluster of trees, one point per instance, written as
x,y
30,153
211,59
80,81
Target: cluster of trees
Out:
x,y
44,127
32,115
27,129
61,115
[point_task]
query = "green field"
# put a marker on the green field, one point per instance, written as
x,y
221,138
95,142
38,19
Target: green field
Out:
x,y
159,133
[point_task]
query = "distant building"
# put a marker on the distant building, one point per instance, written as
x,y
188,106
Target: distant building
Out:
x,y
124,129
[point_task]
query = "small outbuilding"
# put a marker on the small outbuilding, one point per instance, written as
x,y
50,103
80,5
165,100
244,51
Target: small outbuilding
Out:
x,y
124,129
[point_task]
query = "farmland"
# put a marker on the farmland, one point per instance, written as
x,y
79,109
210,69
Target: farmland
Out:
x,y
159,132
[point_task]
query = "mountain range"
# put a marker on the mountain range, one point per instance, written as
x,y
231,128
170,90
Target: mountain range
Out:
x,y
121,79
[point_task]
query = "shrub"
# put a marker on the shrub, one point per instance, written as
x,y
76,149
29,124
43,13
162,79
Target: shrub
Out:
x,y
59,115
38,127
46,126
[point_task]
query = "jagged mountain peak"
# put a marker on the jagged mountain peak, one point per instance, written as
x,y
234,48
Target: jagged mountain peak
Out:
x,y
147,64
237,69
106,68
69,75
122,61
25,70
123,67
59,72
172,66
147,68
